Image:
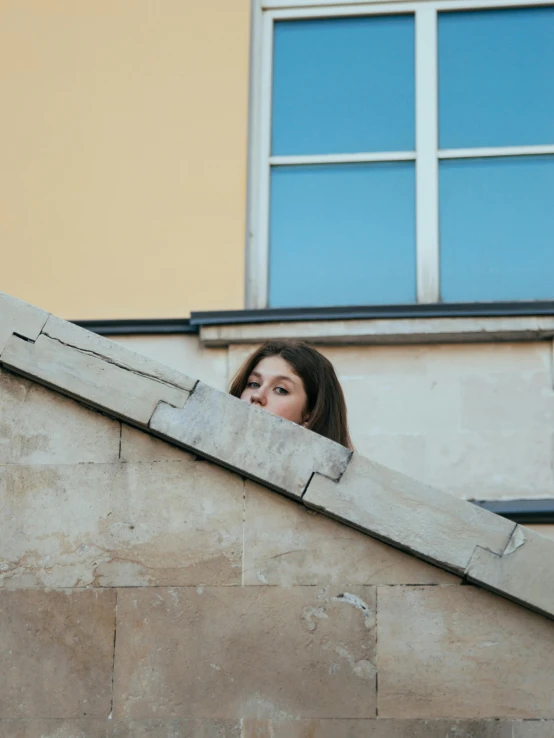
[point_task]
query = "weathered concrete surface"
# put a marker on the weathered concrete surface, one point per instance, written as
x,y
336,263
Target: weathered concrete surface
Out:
x,y
56,651
250,440
235,652
286,544
525,570
435,525
13,391
114,353
170,523
377,728
462,652
123,391
85,728
175,728
251,728
364,728
534,729
19,317
38,426
139,446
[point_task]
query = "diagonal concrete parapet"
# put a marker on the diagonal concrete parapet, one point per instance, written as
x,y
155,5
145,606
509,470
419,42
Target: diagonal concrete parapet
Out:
x,y
96,371
251,441
91,343
438,527
423,520
20,318
524,571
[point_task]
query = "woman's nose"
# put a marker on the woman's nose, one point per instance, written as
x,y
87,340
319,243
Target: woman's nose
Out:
x,y
258,398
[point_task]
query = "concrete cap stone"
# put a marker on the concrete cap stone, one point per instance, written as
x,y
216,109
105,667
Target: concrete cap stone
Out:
x,y
523,571
85,376
251,441
94,369
19,317
419,519
107,350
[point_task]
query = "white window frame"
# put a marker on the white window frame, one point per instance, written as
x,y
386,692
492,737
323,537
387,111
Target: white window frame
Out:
x,y
426,155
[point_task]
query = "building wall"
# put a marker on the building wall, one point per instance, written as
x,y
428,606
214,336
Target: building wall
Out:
x,y
123,176
473,419
145,592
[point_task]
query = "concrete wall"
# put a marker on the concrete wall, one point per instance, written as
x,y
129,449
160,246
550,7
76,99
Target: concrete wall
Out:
x,y
123,184
147,593
474,419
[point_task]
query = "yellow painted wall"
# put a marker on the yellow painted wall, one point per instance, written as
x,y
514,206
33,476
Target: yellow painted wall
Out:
x,y
123,169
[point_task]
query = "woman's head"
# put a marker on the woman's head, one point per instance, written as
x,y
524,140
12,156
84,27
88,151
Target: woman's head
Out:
x,y
293,380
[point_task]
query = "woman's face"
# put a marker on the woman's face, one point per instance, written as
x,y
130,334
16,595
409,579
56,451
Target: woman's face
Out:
x,y
275,386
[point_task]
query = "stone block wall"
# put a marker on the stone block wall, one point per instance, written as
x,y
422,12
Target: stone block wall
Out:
x,y
148,593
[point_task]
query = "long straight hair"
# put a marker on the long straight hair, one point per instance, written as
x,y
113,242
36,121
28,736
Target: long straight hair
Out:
x,y
326,404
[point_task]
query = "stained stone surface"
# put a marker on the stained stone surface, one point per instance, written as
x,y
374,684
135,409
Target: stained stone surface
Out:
x,y
534,729
56,651
139,446
107,728
13,392
462,652
233,652
38,426
40,728
377,728
286,544
251,728
131,524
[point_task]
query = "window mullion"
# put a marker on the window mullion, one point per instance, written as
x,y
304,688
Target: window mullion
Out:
x,y
427,195
257,288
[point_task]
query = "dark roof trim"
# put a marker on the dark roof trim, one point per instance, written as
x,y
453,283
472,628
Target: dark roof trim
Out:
x,y
164,326
368,312
522,511
149,326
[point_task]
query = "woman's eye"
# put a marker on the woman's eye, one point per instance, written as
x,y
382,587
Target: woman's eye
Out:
x,y
253,385
281,391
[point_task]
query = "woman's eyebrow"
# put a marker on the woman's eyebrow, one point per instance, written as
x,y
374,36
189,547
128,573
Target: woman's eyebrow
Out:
x,y
282,377
277,378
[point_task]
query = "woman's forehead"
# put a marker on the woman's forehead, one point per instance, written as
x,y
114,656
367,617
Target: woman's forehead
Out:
x,y
275,366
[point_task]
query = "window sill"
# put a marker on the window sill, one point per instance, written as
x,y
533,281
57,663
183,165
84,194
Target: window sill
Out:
x,y
415,324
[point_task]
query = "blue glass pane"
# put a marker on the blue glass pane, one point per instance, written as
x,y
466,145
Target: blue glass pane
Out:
x,y
342,235
343,85
496,78
497,229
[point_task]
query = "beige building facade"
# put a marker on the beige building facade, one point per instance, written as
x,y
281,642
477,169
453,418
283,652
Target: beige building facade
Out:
x,y
124,175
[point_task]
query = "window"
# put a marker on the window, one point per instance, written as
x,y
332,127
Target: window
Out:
x,y
403,153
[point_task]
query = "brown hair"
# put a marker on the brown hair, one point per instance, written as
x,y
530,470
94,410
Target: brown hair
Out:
x,y
326,403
